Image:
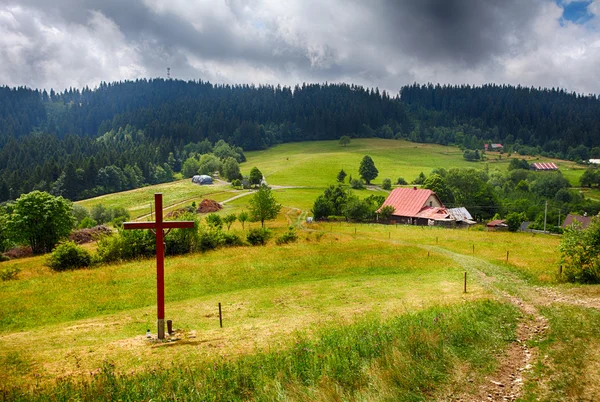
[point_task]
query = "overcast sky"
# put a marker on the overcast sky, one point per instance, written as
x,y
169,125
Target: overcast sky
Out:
x,y
383,43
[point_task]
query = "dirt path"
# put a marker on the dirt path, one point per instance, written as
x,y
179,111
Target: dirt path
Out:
x,y
506,383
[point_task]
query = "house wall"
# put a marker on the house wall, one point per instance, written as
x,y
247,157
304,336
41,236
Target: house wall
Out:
x,y
432,201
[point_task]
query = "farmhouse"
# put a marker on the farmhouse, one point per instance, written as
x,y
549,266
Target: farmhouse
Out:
x,y
422,207
493,147
497,225
571,219
543,166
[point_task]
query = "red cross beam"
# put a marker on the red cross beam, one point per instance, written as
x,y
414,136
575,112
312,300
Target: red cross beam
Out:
x,y
158,228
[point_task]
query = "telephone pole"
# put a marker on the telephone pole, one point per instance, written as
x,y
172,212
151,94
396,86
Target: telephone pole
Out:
x,y
545,215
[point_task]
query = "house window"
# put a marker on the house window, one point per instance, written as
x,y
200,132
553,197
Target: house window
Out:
x,y
431,203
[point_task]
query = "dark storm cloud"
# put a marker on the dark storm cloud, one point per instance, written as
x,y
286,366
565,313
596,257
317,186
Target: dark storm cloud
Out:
x,y
468,31
385,43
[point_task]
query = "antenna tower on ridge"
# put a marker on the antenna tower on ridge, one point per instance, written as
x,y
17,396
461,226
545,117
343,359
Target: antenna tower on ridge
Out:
x,y
168,72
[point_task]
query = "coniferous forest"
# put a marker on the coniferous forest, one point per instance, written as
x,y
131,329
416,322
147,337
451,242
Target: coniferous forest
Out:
x,y
82,143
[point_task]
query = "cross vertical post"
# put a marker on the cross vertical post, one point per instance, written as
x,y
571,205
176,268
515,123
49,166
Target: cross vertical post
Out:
x,y
160,265
158,228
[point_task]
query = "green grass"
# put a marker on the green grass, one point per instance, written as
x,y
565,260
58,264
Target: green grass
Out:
x,y
138,201
316,164
569,360
407,358
267,293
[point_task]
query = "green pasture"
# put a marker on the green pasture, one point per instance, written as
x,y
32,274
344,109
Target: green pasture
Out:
x,y
177,193
316,164
267,293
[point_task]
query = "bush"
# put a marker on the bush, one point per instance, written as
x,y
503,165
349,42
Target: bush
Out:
x,y
258,236
580,253
126,245
4,258
401,181
214,220
229,239
209,239
87,223
236,183
69,255
288,237
182,241
9,273
386,184
357,184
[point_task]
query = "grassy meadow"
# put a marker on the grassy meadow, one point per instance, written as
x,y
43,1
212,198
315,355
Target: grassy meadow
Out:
x,y
348,312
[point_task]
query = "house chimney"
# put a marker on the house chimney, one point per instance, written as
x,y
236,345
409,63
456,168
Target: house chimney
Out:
x,y
415,187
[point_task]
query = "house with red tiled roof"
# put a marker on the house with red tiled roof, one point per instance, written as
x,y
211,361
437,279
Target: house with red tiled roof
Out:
x,y
543,166
571,219
497,225
413,206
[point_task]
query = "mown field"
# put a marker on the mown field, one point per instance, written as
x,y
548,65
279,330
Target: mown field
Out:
x,y
348,312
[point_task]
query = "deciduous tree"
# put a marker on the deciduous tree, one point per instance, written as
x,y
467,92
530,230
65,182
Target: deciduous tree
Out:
x,y
367,169
41,220
263,205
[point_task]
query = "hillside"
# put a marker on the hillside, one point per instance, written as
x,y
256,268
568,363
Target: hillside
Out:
x,y
66,142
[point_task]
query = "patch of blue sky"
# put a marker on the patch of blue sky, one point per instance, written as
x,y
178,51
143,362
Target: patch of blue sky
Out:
x,y
575,11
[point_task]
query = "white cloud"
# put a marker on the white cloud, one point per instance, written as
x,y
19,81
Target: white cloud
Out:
x,y
40,52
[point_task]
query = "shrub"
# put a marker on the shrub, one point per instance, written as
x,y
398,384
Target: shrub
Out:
x,y
69,255
580,253
401,181
288,237
209,239
357,184
386,184
126,245
229,239
9,273
182,241
258,236
87,223
214,220
236,183
514,220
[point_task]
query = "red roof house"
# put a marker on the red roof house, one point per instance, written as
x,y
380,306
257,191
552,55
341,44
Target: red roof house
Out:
x,y
543,166
416,207
497,225
570,220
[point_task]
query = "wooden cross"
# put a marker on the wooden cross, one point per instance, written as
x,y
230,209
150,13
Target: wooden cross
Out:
x,y
157,228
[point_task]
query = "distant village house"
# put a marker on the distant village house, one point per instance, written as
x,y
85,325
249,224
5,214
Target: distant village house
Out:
x,y
573,219
496,225
493,147
543,166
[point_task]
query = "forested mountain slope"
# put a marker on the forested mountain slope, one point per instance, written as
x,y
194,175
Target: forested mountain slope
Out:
x,y
145,125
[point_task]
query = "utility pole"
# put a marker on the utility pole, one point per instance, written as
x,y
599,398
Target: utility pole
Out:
x,y
545,215
558,218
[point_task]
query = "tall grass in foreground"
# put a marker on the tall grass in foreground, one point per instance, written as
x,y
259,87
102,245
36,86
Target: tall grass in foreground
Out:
x,y
409,357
